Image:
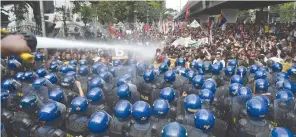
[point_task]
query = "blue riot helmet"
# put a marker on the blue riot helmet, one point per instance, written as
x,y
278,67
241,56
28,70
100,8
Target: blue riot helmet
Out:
x,y
79,104
168,94
83,71
207,66
198,81
141,66
120,81
292,71
256,108
8,84
156,71
72,68
141,112
95,95
281,132
99,122
285,96
39,82
262,98
54,62
167,61
19,76
241,70
199,65
289,86
163,68
277,67
236,79
68,81
116,62
39,57
4,98
183,71
204,120
180,62
73,62
209,84
206,95
56,94
52,78
169,76
123,109
102,69
150,67
282,74
177,69
232,62
220,64
64,69
216,68
192,103
83,62
49,112
244,91
95,67
174,129
261,86
253,68
229,71
96,82
260,74
53,68
132,61
113,71
200,71
233,88
41,72
71,73
12,63
279,82
123,91
190,74
27,103
263,69
148,75
105,76
192,64
29,76
161,108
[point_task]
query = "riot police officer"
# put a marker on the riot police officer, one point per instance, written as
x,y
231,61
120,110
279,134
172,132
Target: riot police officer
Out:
x,y
121,122
196,85
242,71
70,87
59,95
39,60
52,81
97,100
175,129
292,73
6,111
171,81
83,77
281,132
141,112
99,124
204,120
216,74
229,71
52,115
125,93
41,72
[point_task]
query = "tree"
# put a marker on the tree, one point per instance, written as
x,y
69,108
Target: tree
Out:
x,y
285,11
86,14
19,10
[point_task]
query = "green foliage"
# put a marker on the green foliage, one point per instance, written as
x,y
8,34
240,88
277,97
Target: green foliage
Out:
x,y
285,11
19,10
86,14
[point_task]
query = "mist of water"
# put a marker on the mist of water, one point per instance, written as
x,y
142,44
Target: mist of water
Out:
x,y
145,51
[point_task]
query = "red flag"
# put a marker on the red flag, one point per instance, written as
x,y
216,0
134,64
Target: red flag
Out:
x,y
187,11
112,31
146,26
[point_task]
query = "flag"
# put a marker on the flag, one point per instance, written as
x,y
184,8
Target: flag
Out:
x,y
187,11
112,31
221,20
146,26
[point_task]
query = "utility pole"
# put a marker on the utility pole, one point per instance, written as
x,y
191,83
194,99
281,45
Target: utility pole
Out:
x,y
64,21
42,18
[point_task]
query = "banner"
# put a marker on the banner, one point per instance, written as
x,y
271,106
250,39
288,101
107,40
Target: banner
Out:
x,y
230,15
187,11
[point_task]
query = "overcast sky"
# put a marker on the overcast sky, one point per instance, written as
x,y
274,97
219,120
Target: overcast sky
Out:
x,y
175,4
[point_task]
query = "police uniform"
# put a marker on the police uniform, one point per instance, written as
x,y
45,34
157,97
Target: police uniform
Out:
x,y
76,125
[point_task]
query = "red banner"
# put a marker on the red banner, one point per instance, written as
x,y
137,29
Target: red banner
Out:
x,y
187,11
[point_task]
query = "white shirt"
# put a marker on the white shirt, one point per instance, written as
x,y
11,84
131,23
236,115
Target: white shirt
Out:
x,y
276,59
223,62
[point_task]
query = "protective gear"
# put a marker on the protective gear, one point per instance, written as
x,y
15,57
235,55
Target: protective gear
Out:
x,y
29,76
105,76
116,62
237,79
209,84
112,71
289,86
204,120
244,91
190,74
198,81
167,61
54,62
38,83
183,71
207,66
216,68
277,67
83,62
49,131
39,57
64,69
99,122
192,103
52,78
95,95
73,62
233,88
160,108
177,69
282,74
95,67
199,65
56,95
180,62
232,62
242,71
123,91
148,75
49,112
261,86
96,82
174,129
263,69
163,68
19,76
260,75
170,76
285,96
281,132
168,94
53,68
262,98
79,104
83,71
256,109
206,95
132,61
229,71
253,68
141,112
68,81
8,84
27,102
122,109
192,64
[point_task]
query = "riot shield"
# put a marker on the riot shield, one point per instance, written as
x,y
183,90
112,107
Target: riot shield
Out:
x,y
220,128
